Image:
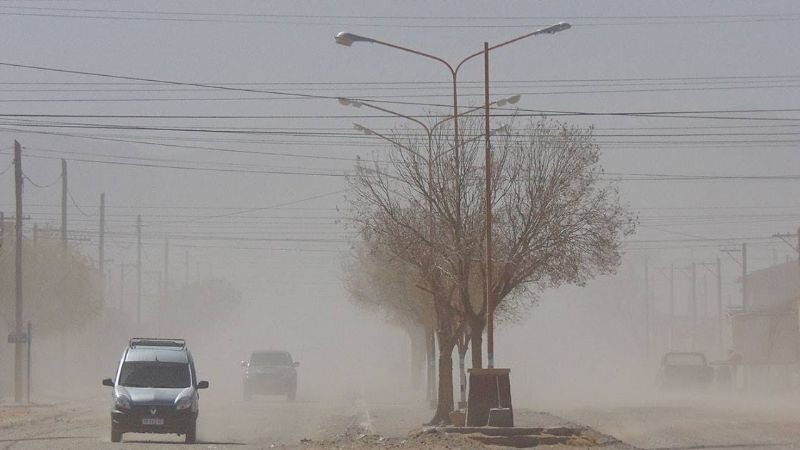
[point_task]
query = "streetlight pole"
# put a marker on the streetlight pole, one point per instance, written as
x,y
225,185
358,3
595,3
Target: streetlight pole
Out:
x,y
347,39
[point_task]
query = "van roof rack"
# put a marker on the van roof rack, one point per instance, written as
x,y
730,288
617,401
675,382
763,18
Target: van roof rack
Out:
x,y
157,342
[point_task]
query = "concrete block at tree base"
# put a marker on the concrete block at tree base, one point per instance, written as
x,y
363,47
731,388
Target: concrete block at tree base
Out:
x,y
501,417
488,389
458,418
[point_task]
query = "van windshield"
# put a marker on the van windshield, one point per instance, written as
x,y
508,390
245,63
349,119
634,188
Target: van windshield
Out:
x,y
153,374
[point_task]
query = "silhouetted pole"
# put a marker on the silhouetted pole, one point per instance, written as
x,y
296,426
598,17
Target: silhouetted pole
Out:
x,y
488,212
744,277
101,247
693,306
64,203
647,307
671,306
166,267
138,270
18,350
121,285
719,308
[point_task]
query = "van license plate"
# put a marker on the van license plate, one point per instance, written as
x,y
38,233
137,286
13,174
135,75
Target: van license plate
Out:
x,y
152,421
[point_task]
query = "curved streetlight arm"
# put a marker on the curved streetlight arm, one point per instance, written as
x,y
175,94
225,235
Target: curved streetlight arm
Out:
x,y
513,99
347,39
358,103
552,29
371,132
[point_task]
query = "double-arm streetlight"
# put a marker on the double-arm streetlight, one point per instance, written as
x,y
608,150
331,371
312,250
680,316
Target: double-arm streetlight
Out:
x,y
347,39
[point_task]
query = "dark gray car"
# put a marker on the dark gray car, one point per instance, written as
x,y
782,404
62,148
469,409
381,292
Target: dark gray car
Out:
x,y
155,389
270,372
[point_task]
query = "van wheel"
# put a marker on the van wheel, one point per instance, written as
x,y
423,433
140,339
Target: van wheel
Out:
x,y
191,433
116,436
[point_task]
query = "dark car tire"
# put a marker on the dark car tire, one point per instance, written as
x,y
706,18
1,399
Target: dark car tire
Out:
x,y
116,436
191,433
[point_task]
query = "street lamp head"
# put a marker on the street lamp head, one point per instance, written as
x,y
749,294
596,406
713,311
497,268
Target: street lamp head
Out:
x,y
362,129
508,101
552,29
344,101
347,39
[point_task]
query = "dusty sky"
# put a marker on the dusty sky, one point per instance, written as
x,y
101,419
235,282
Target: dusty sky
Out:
x,y
733,67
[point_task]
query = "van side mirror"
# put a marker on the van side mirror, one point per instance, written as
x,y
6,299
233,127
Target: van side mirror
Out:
x,y
296,364
202,385
108,382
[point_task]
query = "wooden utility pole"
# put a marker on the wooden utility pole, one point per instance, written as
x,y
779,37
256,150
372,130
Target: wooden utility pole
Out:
x,y
647,307
18,346
64,203
101,251
166,268
138,271
693,305
488,211
671,306
720,320
745,299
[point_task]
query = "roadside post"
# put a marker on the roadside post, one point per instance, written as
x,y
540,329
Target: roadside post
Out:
x,y
28,383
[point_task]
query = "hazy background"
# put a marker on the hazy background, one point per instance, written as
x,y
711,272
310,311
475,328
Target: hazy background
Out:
x,y
723,77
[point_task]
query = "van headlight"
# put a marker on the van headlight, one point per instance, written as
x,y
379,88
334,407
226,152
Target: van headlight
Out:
x,y
183,403
122,402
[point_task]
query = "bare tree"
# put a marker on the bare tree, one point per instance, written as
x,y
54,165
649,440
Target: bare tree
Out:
x,y
387,285
558,220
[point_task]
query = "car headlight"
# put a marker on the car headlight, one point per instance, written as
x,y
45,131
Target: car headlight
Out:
x,y
122,402
183,403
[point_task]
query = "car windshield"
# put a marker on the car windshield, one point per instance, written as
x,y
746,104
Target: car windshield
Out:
x,y
151,374
270,359
685,359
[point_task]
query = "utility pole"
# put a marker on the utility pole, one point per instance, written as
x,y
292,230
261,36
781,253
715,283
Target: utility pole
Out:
x,y
719,308
647,307
101,247
671,306
162,299
138,271
64,203
693,305
488,212
744,277
166,267
121,285
18,349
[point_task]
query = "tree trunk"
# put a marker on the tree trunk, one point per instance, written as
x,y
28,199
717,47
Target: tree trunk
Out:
x,y
476,342
445,400
417,339
430,352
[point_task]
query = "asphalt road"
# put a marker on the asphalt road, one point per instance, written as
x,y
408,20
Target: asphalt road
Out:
x,y
706,422
223,423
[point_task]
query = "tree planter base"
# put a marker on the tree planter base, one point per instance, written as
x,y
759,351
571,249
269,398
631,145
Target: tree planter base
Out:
x,y
489,389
